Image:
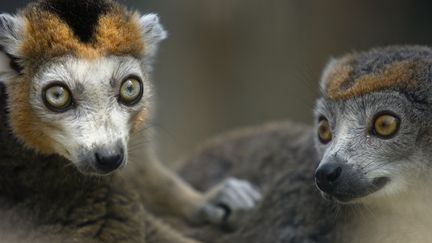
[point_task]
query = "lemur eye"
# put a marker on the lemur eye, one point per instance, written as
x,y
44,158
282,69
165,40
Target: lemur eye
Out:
x,y
324,131
131,91
385,125
57,97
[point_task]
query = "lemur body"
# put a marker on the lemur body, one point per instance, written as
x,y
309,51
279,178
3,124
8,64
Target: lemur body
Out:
x,y
369,154
77,87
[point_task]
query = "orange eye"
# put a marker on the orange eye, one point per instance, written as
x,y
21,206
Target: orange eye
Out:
x,y
385,125
324,131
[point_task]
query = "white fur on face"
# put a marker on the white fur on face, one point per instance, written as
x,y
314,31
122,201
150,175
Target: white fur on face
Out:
x,y
401,172
97,119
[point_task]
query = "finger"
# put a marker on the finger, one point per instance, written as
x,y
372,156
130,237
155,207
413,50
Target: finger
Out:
x,y
230,197
254,193
241,192
213,214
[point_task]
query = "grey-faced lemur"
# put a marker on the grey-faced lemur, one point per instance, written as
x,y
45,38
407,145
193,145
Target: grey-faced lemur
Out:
x,y
76,86
369,155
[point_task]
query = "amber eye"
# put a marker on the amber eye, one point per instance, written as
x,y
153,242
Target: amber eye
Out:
x,y
131,91
324,131
385,125
57,97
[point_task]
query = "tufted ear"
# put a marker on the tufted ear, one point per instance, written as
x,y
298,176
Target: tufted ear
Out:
x,y
153,33
326,73
10,38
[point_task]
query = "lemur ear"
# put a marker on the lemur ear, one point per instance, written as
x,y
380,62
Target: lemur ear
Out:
x,y
326,73
153,33
10,38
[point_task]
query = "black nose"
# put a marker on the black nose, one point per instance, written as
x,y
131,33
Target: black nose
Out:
x,y
108,160
327,175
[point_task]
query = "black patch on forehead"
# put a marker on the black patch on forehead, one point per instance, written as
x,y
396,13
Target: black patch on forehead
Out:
x,y
81,15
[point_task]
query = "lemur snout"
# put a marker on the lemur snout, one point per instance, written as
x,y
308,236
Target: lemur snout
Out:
x,y
342,181
109,159
327,176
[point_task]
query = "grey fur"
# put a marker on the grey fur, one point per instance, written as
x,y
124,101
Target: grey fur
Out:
x,y
368,156
282,159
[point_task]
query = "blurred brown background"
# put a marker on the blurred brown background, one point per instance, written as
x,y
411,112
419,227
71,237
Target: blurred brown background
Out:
x,y
231,63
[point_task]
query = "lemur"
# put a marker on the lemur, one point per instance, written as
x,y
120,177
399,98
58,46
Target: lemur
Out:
x,y
368,154
76,86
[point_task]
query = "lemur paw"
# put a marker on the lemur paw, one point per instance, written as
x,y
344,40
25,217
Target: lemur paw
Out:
x,y
228,201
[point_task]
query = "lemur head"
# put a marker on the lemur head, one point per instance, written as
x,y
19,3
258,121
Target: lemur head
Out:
x,y
77,78
374,124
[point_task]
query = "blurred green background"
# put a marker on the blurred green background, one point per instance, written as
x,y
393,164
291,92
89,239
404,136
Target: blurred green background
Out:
x,y
231,63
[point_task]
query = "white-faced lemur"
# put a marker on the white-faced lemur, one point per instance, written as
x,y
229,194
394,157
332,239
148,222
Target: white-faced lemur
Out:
x,y
369,155
75,87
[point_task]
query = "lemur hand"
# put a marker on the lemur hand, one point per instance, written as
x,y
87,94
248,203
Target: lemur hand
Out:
x,y
228,201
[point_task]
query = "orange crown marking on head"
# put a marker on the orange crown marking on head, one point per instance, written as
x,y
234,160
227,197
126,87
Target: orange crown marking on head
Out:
x,y
340,84
47,36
